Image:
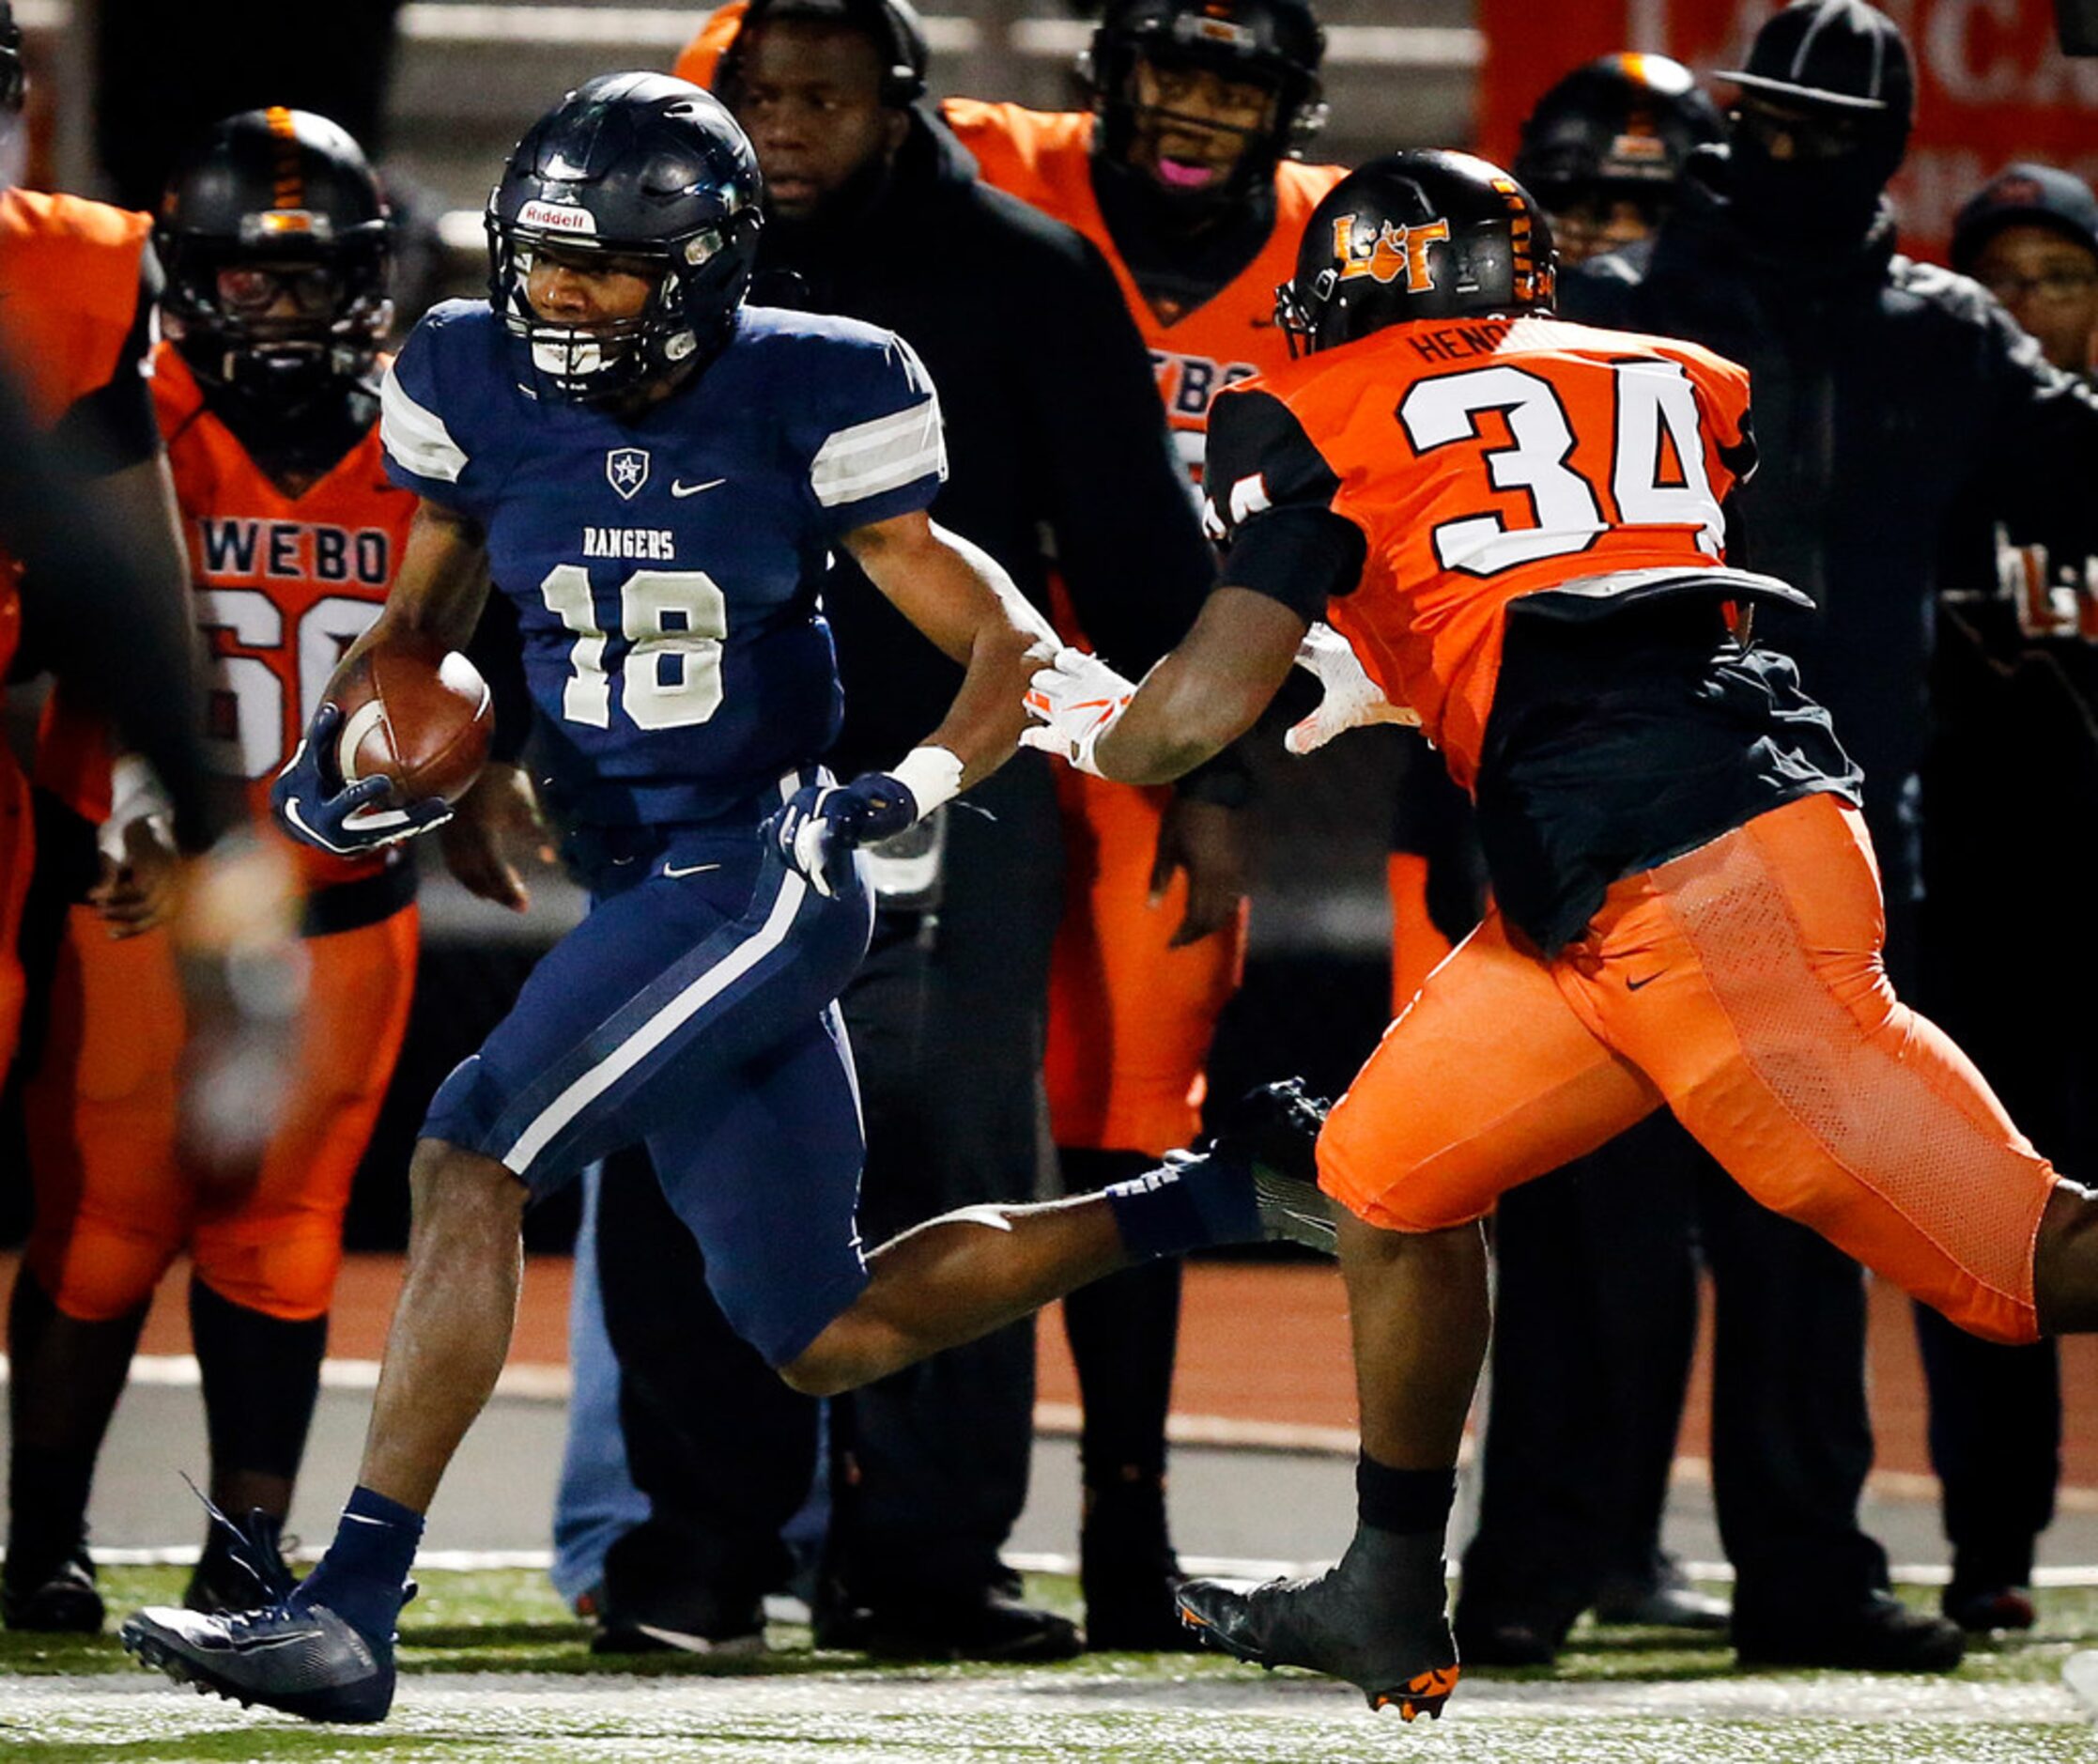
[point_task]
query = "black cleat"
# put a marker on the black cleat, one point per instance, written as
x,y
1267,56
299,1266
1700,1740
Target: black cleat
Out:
x,y
1377,1618
978,1623
1128,1573
301,1658
1272,1134
242,1566
62,1602
1881,1634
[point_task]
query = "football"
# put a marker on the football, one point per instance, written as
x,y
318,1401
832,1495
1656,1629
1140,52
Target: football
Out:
x,y
417,714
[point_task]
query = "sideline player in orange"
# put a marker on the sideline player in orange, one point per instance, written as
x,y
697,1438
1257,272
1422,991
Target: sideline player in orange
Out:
x,y
1185,175
1517,523
76,302
91,519
273,235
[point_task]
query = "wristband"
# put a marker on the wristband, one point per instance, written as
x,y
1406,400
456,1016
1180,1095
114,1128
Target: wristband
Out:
x,y
931,775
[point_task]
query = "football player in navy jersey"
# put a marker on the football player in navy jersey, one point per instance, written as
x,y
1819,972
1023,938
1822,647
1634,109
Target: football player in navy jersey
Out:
x,y
654,474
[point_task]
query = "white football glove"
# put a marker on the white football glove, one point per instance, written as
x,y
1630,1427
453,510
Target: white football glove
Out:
x,y
1353,700
1078,698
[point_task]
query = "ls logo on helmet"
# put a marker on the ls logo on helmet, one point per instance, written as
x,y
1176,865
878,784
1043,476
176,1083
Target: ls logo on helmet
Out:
x,y
557,217
626,471
1395,252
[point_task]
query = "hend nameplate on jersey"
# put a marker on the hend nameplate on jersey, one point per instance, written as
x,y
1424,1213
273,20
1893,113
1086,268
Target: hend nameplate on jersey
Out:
x,y
557,217
1394,252
626,471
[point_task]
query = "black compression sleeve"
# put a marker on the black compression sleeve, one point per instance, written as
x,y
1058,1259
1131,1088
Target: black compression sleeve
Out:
x,y
1302,557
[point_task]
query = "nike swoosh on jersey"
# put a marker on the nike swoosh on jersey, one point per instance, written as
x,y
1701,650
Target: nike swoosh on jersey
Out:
x,y
693,489
690,869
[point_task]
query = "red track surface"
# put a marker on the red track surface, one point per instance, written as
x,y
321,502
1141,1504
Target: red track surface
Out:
x,y
1257,1344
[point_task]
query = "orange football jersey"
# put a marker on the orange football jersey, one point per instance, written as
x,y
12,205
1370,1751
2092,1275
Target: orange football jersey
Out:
x,y
69,294
1485,460
283,583
1045,159
69,298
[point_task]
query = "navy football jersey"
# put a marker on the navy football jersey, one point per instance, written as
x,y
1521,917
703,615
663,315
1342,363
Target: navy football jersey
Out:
x,y
666,566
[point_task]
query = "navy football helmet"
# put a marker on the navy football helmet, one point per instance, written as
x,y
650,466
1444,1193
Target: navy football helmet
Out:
x,y
647,170
1417,235
273,235
1275,43
1621,124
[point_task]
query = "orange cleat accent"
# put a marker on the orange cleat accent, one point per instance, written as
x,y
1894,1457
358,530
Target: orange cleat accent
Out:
x,y
1424,1695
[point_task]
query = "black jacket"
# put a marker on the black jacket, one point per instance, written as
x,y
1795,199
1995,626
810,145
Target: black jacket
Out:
x,y
1055,432
1895,404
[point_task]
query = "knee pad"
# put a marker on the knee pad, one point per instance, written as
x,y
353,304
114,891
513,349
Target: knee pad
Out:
x,y
94,1273
285,1268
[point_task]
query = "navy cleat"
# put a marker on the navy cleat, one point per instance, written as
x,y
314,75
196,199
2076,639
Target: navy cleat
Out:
x,y
299,1658
1377,1618
1270,1136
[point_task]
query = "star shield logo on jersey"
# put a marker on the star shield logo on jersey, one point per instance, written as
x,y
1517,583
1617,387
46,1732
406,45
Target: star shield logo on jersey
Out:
x,y
626,471
1391,253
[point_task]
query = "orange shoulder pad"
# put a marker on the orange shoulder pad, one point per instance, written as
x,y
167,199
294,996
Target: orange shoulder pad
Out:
x,y
68,293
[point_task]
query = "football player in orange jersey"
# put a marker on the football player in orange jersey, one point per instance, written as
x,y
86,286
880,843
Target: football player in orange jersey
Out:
x,y
273,235
1518,525
76,302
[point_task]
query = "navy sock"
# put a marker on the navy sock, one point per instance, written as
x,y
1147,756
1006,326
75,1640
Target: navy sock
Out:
x,y
362,1577
1186,1205
1405,1501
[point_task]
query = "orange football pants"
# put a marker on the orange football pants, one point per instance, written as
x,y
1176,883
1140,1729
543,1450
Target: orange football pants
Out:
x,y
1741,985
1130,1020
113,1203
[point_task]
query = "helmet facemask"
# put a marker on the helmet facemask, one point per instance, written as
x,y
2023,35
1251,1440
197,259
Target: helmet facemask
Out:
x,y
1168,46
282,312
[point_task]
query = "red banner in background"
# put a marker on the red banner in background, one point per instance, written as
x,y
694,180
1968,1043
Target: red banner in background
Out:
x,y
1992,85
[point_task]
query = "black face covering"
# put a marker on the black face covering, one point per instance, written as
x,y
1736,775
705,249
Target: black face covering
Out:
x,y
1817,202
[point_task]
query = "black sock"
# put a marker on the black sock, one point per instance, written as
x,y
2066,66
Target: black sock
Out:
x,y
1403,1501
67,1375
1123,1332
261,1376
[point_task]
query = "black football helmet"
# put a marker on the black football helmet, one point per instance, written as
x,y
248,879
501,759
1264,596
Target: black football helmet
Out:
x,y
273,235
11,82
1277,44
1621,125
1417,235
647,169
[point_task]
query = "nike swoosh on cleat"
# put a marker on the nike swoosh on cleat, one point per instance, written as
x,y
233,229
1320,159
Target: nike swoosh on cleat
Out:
x,y
693,489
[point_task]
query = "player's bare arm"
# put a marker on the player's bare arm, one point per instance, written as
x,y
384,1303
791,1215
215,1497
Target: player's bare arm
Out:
x,y
1199,699
443,579
960,597
958,594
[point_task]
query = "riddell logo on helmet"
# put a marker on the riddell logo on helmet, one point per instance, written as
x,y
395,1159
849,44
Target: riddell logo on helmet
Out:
x,y
1395,252
557,217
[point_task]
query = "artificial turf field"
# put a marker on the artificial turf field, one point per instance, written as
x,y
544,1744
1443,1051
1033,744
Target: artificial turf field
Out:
x,y
495,1669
